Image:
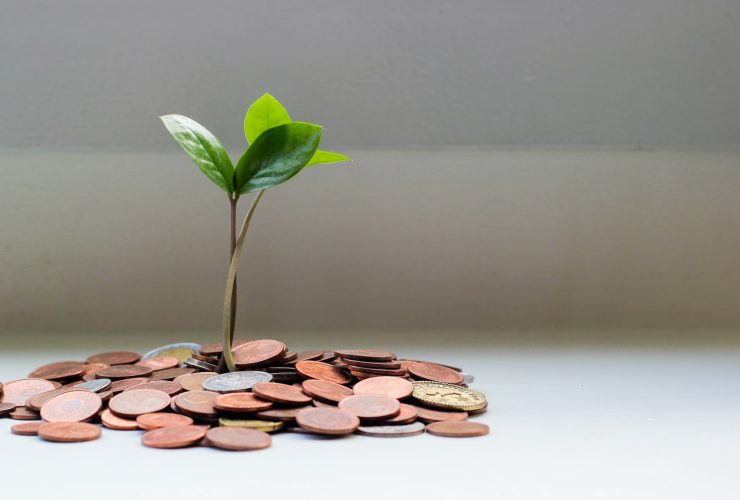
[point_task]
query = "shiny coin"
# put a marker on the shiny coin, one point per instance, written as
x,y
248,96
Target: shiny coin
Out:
x,y
448,396
391,430
174,437
435,373
366,355
329,421
131,404
171,373
181,351
68,432
326,391
281,393
59,371
26,429
238,438
114,358
160,362
18,391
73,406
235,381
258,353
194,381
115,422
394,387
429,416
261,425
166,386
151,421
457,428
240,402
371,406
323,371
117,372
198,404
97,385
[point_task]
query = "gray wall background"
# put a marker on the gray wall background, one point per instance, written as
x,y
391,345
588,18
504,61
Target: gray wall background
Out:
x,y
518,165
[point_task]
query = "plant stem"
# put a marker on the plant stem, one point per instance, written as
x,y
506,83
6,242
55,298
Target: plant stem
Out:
x,y
232,323
231,284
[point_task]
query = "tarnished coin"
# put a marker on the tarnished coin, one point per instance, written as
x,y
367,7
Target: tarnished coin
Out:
x,y
449,396
131,404
6,408
151,421
394,387
435,373
330,421
166,386
26,428
123,384
429,416
194,381
36,402
366,354
97,385
171,373
59,371
68,432
160,362
391,430
235,381
457,428
181,351
280,414
174,437
323,371
238,438
258,352
117,423
371,406
18,391
281,393
23,413
240,402
326,391
114,358
405,416
117,372
198,404
260,425
73,406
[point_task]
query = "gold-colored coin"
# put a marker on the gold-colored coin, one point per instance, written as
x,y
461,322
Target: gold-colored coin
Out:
x,y
260,425
180,354
449,396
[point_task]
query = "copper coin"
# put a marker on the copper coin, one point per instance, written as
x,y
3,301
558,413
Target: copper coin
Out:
x,y
435,373
405,363
327,357
377,371
308,356
166,386
73,406
407,415
114,422
258,352
289,357
280,414
381,365
36,402
151,421
174,437
429,416
198,404
160,362
320,404
126,383
118,372
23,413
59,371
114,358
457,428
6,408
326,391
171,373
18,391
281,393
91,368
207,359
238,438
241,402
366,355
68,432
331,421
322,371
131,404
194,381
394,387
217,348
26,429
371,406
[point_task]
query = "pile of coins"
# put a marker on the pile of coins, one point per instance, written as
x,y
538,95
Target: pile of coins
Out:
x,y
175,394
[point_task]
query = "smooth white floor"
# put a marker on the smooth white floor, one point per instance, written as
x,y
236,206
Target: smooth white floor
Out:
x,y
598,423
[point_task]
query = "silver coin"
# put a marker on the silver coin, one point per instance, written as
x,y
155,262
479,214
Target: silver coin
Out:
x,y
467,379
201,365
97,385
391,430
180,345
235,381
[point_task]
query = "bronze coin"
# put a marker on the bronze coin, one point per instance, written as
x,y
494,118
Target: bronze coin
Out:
x,y
217,348
381,365
59,371
371,406
258,352
126,383
194,381
36,402
322,371
238,438
23,413
6,408
435,373
407,415
68,432
72,406
151,421
174,437
26,429
240,402
366,355
114,358
117,372
307,356
280,414
167,386
171,373
326,391
207,359
281,393
18,391
91,368
394,387
405,363
457,428
330,421
117,423
429,416
377,371
198,404
318,403
160,362
131,404
327,357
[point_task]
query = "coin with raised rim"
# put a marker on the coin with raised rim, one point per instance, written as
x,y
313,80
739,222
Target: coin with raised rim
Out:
x,y
407,415
238,438
59,371
326,391
371,406
366,354
281,393
258,352
174,437
394,387
114,358
167,386
117,423
73,406
18,391
171,373
23,413
435,373
131,404
391,430
180,350
448,396
428,416
329,421
151,421
198,404
235,381
68,432
323,371
458,428
97,385
194,381
160,362
117,372
240,402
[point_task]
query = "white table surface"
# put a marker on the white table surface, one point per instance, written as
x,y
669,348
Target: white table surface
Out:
x,y
570,423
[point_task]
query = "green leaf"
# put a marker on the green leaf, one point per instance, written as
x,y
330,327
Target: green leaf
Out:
x,y
204,148
264,113
276,155
324,157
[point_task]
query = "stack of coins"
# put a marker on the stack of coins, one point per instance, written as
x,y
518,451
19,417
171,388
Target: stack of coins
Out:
x,y
175,395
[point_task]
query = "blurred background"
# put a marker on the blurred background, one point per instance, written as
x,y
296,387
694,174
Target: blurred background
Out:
x,y
523,169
